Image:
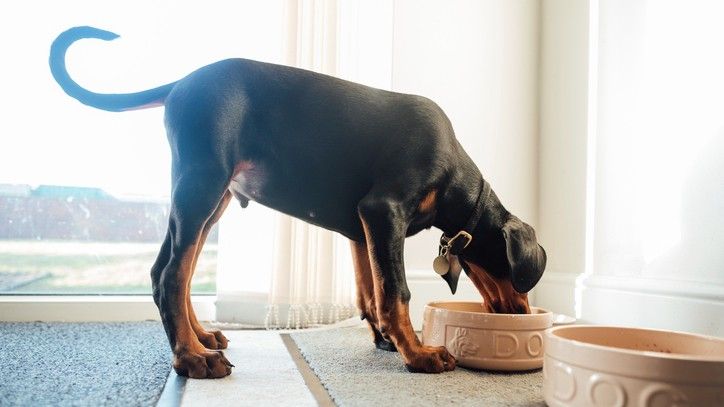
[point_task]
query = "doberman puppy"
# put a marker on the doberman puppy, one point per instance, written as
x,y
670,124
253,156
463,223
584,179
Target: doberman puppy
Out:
x,y
373,165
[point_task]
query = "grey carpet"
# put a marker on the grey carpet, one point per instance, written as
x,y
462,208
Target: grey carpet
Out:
x,y
356,374
82,364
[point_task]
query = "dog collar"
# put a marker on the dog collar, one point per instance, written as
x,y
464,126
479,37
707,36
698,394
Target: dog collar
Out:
x,y
446,263
456,244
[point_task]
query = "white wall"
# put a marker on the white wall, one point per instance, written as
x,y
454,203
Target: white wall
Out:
x,y
630,181
658,224
563,149
478,60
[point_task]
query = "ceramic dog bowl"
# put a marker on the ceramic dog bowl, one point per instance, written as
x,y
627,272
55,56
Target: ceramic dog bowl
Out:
x,y
482,340
613,366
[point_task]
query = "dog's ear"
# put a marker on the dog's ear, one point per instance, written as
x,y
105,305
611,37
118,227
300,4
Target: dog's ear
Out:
x,y
453,275
526,257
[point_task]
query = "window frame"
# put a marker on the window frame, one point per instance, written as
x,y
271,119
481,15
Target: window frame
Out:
x,y
92,307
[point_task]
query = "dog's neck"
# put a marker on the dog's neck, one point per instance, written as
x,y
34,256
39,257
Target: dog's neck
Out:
x,y
459,202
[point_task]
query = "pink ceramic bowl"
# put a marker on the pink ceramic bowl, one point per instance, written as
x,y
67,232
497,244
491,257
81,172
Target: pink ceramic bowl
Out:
x,y
482,340
613,366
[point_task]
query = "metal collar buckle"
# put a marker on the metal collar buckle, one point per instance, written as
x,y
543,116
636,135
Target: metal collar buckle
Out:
x,y
454,245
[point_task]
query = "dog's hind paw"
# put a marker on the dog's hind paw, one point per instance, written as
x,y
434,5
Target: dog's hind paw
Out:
x,y
383,344
213,339
205,365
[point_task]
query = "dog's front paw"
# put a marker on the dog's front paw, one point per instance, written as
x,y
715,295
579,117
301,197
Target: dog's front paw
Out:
x,y
213,339
209,364
430,359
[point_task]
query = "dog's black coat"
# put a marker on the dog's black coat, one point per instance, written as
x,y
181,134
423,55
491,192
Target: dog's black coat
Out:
x,y
335,153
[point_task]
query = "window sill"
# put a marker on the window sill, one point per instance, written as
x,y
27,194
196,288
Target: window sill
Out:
x,y
96,308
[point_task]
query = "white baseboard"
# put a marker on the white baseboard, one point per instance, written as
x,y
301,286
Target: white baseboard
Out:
x,y
556,291
653,303
242,308
97,308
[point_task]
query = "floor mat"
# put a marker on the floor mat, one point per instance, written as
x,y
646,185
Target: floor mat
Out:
x,y
82,364
265,375
355,373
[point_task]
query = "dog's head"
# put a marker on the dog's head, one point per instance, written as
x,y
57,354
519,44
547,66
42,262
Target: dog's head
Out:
x,y
504,263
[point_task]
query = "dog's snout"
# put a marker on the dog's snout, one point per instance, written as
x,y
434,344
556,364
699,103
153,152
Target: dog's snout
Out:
x,y
521,306
499,296
495,304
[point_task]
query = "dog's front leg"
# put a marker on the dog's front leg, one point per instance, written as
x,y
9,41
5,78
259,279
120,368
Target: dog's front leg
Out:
x,y
385,226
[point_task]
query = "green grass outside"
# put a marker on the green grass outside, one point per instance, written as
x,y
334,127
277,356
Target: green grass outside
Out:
x,y
58,267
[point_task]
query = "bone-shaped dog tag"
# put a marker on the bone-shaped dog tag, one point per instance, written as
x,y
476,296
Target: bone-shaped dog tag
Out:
x,y
441,265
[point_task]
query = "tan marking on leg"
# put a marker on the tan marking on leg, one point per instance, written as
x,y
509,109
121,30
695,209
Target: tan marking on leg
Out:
x,y
417,357
428,202
213,339
185,336
366,294
390,316
393,317
363,278
499,294
191,358
396,317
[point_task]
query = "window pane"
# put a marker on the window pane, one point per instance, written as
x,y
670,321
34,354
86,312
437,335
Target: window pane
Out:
x,y
58,239
84,193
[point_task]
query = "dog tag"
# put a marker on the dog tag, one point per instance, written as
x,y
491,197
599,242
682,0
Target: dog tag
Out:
x,y
441,265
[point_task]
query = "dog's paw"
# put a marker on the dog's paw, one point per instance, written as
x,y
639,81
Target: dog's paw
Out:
x,y
213,339
210,364
430,359
380,341
383,344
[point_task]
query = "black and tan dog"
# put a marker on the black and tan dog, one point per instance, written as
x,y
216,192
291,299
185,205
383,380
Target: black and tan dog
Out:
x,y
373,165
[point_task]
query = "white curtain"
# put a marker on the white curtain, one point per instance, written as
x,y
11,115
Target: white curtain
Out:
x,y
274,270
312,280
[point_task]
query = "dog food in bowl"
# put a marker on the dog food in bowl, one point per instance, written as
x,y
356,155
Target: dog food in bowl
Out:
x,y
614,366
481,340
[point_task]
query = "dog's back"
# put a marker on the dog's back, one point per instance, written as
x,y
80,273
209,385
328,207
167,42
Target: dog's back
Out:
x,y
314,144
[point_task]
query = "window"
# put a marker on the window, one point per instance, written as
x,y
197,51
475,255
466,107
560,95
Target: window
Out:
x,y
84,193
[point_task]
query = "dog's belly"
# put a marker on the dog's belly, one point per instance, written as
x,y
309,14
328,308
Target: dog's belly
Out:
x,y
247,181
313,201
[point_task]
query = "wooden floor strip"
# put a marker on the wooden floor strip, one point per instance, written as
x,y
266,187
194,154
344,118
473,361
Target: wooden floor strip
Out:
x,y
173,390
310,378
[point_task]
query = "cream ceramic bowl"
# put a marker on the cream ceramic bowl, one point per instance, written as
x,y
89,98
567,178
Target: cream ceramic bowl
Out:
x,y
483,340
613,366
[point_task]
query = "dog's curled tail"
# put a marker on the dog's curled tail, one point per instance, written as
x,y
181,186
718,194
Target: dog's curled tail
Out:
x,y
105,101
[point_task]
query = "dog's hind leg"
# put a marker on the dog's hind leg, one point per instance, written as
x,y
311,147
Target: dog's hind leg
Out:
x,y
161,261
366,293
212,339
197,193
